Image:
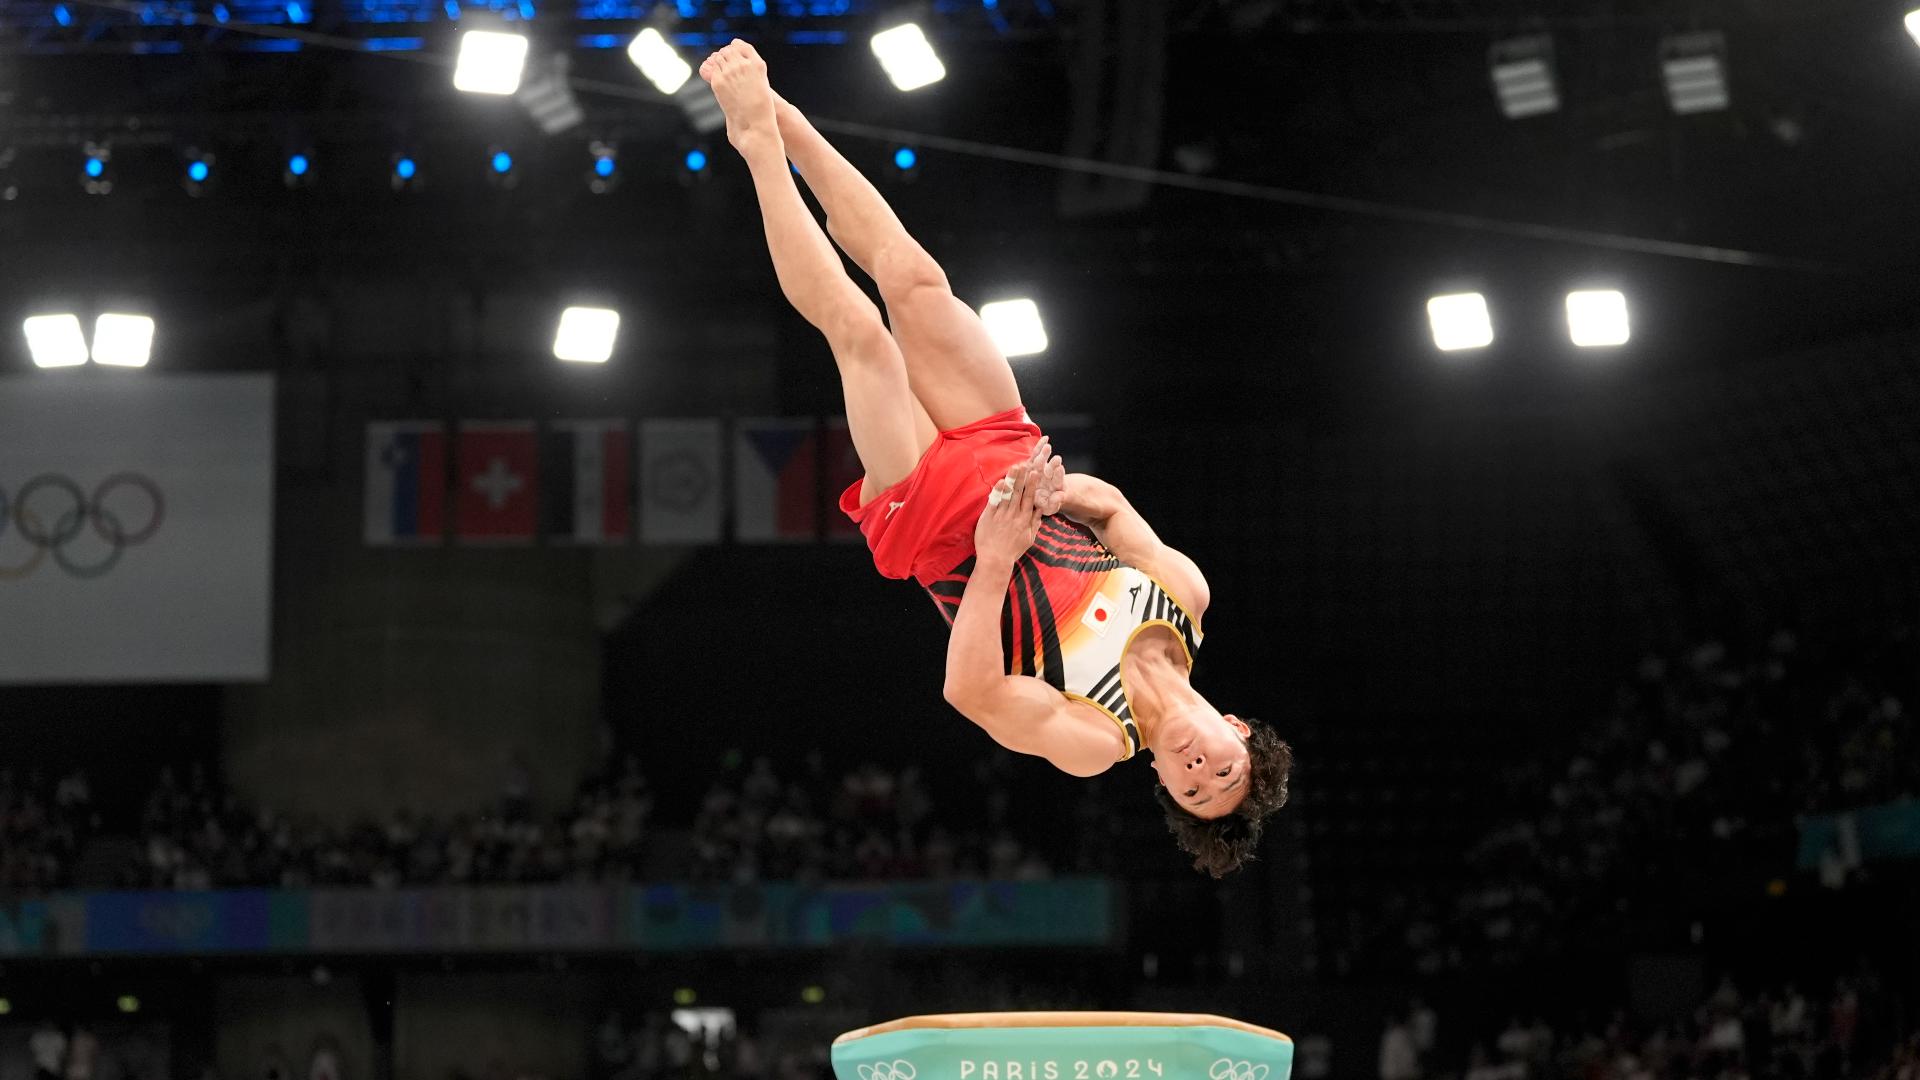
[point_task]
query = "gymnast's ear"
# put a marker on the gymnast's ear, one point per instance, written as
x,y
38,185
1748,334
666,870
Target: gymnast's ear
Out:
x,y
1239,725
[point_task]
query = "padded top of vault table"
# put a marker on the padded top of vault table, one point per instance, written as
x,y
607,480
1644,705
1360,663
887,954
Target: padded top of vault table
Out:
x,y
1063,1046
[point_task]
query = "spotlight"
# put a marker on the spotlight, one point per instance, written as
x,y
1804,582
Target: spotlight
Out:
x,y
606,168
6,1007
1523,76
1460,321
659,61
490,62
406,173
56,341
1597,318
129,1004
696,160
906,159
299,170
1015,326
586,335
547,95
697,104
122,340
199,172
908,57
94,178
1913,25
1696,72
813,995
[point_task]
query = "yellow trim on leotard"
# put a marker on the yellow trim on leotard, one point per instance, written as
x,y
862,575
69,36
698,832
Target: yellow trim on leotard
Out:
x,y
1127,648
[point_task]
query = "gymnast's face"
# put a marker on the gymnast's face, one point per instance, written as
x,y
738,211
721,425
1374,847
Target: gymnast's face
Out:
x,y
1202,761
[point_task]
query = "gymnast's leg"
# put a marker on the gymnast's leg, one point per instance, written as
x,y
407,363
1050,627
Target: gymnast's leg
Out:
x,y
890,429
952,363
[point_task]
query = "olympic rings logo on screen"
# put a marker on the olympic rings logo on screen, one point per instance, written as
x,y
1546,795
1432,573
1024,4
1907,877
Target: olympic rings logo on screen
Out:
x,y
52,511
1229,1069
888,1070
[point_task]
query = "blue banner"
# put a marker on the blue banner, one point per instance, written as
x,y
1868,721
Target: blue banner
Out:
x,y
1888,831
649,918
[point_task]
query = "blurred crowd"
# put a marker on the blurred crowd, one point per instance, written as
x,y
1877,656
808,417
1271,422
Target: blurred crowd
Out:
x,y
1777,1034
1689,780
754,824
869,824
43,826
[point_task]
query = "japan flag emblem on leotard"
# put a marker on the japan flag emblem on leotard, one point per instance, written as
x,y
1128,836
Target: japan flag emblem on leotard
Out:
x,y
1100,614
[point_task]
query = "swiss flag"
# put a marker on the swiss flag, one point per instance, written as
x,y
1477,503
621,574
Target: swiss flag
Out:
x,y
496,482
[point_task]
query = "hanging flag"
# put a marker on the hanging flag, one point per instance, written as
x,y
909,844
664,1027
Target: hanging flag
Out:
x,y
840,469
406,482
496,482
1072,436
776,474
586,482
680,481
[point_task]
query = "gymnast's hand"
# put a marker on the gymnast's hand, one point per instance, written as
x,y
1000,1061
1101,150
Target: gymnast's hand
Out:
x,y
1050,485
1008,524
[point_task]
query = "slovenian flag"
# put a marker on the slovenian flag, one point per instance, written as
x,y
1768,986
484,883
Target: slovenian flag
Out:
x,y
776,474
586,482
406,482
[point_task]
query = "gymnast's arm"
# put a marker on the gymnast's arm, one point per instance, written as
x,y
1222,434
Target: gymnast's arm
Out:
x,y
1023,714
1101,507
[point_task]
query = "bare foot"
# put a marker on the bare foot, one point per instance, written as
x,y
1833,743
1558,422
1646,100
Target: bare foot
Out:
x,y
739,80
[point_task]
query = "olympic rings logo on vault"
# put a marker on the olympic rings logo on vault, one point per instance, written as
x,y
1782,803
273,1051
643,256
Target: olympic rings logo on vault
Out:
x,y
1229,1069
52,511
888,1070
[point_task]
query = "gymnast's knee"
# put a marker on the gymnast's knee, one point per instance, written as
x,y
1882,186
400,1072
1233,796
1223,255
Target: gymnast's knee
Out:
x,y
905,273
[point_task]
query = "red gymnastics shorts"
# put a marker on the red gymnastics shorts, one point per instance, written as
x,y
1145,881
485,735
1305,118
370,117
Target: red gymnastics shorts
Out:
x,y
922,527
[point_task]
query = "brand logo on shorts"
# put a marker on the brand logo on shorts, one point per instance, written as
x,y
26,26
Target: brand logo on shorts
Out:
x,y
888,1070
892,506
1229,1069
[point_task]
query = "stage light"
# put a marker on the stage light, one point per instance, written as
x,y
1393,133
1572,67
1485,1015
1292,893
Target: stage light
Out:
x,y
813,995
56,341
122,340
659,61
1913,25
905,159
199,171
701,109
586,335
1523,76
490,62
606,167
1460,321
502,161
908,57
547,95
696,160
1597,318
93,171
684,996
1015,326
299,170
128,1003
1696,72
406,173
6,1007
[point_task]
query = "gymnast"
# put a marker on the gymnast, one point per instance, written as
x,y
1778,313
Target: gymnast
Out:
x,y
1073,627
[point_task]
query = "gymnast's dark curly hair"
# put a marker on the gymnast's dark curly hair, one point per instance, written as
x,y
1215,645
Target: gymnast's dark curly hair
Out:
x,y
1222,845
